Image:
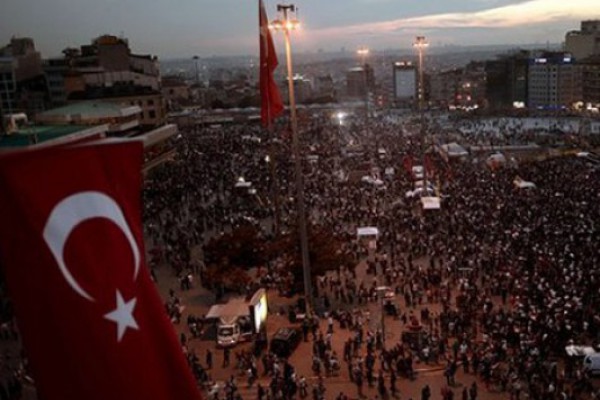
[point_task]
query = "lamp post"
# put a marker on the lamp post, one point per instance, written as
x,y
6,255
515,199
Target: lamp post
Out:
x,y
196,58
287,23
363,53
421,44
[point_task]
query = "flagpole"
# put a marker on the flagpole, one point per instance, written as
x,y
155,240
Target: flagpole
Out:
x,y
287,25
271,105
274,182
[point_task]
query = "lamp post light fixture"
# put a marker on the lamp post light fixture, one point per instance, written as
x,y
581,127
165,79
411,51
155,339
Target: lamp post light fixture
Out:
x,y
287,23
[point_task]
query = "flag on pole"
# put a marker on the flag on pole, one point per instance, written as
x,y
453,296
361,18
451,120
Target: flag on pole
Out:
x,y
271,104
71,247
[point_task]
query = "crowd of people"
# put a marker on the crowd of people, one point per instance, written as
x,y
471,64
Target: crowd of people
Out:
x,y
497,282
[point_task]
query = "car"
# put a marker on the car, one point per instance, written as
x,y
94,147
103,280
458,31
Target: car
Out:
x,y
591,363
285,341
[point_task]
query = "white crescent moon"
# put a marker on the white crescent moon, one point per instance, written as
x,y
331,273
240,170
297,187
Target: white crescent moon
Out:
x,y
72,211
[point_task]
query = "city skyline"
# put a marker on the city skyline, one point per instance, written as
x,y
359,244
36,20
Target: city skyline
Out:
x,y
230,27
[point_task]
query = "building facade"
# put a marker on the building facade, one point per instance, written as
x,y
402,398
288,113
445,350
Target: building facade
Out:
x,y
107,70
590,77
22,82
8,85
405,84
460,87
554,81
359,80
506,81
584,42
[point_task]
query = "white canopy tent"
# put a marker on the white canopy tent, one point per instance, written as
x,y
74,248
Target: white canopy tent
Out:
x,y
431,203
419,191
522,184
367,231
454,150
243,184
372,181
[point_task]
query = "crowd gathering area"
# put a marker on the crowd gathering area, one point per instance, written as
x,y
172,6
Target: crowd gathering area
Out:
x,y
492,287
478,299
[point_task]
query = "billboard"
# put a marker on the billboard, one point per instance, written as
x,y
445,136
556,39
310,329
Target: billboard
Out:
x,y
405,82
259,309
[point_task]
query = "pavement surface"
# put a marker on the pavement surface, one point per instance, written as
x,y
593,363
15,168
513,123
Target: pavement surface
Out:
x,y
198,300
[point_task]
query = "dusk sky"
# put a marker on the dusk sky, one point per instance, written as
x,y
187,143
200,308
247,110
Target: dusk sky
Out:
x,y
181,28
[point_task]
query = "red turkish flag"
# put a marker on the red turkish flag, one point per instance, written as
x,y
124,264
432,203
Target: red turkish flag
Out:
x,y
92,322
271,104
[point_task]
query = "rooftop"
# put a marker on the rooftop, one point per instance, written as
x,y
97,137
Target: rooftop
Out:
x,y
38,134
91,110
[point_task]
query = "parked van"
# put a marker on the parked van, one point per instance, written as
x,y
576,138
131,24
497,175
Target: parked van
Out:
x,y
285,341
591,363
228,332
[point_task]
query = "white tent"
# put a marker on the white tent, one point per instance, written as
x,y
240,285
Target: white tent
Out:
x,y
496,160
243,184
454,150
367,231
419,191
522,184
431,203
372,181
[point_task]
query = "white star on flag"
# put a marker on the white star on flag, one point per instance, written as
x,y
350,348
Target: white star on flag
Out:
x,y
123,315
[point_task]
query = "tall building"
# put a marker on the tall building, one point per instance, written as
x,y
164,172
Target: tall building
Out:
x,y
55,71
324,88
303,89
358,79
22,82
506,81
461,87
8,85
590,77
554,81
405,84
107,70
584,42
175,91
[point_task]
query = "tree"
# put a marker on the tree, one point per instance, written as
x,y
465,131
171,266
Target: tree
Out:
x,y
325,252
229,256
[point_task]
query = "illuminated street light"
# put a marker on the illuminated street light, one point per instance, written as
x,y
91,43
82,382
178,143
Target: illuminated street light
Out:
x,y
363,51
287,24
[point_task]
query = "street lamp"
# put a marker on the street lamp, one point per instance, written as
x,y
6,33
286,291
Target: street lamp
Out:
x,y
363,53
287,23
421,44
196,58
